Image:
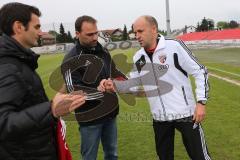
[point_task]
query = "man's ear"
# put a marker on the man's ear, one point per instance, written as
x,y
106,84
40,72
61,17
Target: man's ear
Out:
x,y
17,27
77,34
155,30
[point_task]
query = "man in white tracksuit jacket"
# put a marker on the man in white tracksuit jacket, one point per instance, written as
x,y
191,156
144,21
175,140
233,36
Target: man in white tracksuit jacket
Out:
x,y
162,67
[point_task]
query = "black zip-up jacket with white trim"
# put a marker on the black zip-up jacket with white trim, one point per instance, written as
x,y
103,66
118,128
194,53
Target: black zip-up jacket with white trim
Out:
x,y
108,71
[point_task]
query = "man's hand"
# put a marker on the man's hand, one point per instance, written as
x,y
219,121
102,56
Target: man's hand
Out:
x,y
63,104
106,85
101,86
200,113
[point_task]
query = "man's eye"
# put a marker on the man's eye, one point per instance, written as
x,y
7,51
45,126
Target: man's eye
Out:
x,y
90,34
37,27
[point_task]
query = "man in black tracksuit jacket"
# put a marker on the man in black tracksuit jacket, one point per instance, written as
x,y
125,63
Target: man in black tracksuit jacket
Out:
x,y
27,118
102,127
105,73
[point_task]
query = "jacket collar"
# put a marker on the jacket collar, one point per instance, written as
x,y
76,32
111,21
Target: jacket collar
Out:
x,y
88,50
161,44
9,47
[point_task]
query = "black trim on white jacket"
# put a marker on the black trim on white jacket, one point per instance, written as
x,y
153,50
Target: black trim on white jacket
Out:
x,y
172,64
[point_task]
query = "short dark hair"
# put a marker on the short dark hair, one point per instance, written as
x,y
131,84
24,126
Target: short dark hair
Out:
x,y
151,20
80,20
11,12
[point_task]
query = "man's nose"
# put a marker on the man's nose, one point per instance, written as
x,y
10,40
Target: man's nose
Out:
x,y
137,36
95,37
40,33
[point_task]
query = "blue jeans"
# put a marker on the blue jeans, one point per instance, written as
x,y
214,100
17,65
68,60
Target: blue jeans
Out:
x,y
91,136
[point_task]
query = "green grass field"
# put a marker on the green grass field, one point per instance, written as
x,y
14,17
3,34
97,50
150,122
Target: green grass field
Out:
x,y
135,133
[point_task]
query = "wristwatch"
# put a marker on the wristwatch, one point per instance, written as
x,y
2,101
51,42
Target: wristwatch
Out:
x,y
203,102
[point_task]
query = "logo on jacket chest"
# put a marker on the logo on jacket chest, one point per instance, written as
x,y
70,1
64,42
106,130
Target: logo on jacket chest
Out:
x,y
162,59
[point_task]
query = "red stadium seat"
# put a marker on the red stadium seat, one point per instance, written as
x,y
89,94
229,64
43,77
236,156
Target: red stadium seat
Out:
x,y
211,35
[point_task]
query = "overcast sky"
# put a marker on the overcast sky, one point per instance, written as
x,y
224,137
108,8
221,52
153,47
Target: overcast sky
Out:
x,y
115,13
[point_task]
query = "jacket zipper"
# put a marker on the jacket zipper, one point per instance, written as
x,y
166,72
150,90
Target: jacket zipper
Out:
x,y
159,92
184,95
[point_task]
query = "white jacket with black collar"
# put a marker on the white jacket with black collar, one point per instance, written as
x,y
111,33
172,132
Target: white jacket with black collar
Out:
x,y
166,81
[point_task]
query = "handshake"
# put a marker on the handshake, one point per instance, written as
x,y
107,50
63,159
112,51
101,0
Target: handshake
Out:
x,y
106,85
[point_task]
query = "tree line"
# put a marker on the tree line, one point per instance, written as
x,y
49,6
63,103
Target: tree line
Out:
x,y
208,24
62,36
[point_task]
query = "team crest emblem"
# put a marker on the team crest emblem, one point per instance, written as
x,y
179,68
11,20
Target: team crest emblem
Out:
x,y
162,59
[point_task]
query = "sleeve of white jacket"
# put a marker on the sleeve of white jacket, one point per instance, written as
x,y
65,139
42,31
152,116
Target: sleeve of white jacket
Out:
x,y
131,85
191,65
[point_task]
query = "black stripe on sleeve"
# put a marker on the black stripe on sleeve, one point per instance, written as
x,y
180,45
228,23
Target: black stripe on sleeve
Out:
x,y
206,83
176,63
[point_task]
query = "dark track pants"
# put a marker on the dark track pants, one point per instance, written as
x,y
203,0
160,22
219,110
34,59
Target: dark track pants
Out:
x,y
193,139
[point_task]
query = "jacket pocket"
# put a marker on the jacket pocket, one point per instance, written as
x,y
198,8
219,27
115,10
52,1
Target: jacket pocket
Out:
x,y
184,95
